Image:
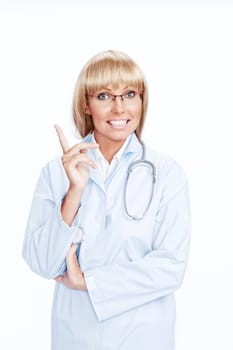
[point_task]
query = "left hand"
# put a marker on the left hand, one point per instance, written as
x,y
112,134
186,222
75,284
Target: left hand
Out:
x,y
73,277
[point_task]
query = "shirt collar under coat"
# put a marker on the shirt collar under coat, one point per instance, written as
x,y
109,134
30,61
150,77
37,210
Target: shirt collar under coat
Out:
x,y
134,147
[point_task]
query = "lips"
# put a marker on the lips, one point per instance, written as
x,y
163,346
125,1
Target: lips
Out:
x,y
118,123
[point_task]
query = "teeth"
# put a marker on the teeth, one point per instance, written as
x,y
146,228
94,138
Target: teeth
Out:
x,y
118,122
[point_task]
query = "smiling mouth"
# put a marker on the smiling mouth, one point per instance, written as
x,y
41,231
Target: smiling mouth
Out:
x,y
120,123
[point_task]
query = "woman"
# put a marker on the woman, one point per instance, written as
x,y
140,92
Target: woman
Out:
x,y
115,275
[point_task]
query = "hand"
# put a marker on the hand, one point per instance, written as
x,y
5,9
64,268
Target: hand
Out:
x,y
73,277
76,161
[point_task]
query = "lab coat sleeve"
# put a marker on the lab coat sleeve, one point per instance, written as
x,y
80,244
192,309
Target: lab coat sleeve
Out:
x,y
47,237
116,288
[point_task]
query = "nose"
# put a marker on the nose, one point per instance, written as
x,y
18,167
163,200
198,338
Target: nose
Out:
x,y
118,104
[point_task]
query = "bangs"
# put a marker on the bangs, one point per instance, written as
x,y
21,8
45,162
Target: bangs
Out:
x,y
113,73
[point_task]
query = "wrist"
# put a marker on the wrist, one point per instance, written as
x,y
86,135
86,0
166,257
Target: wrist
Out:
x,y
80,283
70,205
75,191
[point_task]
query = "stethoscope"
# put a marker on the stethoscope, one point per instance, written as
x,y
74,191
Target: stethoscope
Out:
x,y
132,167
80,235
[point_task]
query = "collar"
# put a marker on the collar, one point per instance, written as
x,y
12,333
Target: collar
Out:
x,y
98,155
133,146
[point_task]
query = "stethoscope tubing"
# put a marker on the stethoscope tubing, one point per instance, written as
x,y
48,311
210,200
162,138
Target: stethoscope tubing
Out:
x,y
141,162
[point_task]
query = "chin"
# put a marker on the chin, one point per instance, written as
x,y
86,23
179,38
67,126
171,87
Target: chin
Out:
x,y
120,136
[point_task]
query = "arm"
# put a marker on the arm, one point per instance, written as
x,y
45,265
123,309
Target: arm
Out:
x,y
51,225
48,238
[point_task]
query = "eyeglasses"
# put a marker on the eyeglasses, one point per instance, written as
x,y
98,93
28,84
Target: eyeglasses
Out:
x,y
106,97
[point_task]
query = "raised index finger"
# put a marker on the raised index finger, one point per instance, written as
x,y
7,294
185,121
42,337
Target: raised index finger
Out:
x,y
62,139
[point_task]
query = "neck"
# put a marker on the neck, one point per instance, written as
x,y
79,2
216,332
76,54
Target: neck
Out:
x,y
108,147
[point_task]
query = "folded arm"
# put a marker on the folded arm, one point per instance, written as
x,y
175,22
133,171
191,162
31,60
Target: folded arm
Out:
x,y
119,287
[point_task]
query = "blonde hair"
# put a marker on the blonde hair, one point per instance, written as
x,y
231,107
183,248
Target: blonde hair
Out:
x,y
106,68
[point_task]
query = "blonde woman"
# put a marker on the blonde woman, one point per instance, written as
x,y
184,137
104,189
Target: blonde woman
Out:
x,y
110,220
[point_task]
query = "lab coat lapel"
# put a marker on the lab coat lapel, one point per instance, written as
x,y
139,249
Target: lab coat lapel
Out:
x,y
94,174
97,178
133,147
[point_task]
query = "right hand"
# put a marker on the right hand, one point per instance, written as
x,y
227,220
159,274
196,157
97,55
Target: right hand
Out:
x,y
76,161
73,278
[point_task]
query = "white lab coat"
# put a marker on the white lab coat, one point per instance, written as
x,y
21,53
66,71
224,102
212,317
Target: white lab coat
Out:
x,y
132,268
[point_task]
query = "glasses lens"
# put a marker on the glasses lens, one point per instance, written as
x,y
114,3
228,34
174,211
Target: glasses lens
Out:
x,y
103,96
129,95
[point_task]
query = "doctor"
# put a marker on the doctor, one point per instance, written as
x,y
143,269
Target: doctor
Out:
x,y
115,276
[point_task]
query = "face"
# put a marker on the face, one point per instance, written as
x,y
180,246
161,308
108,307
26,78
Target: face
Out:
x,y
114,120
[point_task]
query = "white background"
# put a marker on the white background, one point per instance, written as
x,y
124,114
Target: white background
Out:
x,y
186,51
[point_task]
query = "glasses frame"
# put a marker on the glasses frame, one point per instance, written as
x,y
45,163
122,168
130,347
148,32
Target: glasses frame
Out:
x,y
113,96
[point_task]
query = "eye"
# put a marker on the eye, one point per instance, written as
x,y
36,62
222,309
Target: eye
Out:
x,y
103,96
130,94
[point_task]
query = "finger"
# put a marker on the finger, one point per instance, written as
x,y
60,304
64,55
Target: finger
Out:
x,y
62,139
82,147
73,161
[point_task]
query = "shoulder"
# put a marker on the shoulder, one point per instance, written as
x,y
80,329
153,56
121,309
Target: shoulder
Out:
x,y
169,172
53,166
